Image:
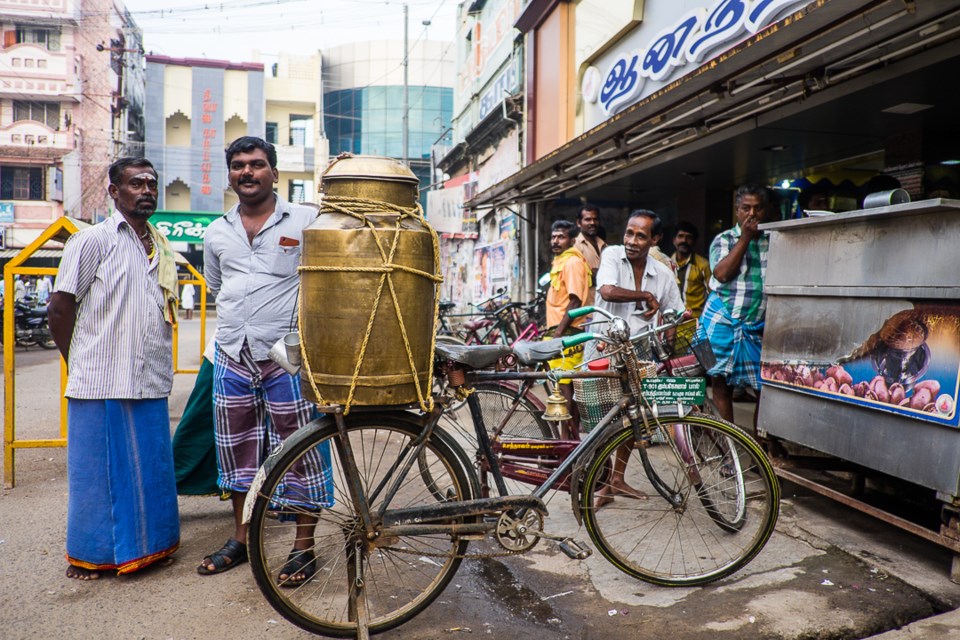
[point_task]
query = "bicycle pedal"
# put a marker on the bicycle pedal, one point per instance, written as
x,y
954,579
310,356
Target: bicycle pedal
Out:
x,y
575,550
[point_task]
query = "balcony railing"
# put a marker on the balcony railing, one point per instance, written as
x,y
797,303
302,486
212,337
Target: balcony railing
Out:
x,y
295,158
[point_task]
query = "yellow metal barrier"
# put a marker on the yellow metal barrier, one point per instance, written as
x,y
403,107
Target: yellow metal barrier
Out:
x,y
60,230
201,283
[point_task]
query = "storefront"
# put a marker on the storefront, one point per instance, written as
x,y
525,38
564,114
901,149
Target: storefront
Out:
x,y
699,97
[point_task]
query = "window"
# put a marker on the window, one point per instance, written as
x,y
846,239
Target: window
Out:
x,y
49,39
47,113
271,134
300,191
301,130
21,183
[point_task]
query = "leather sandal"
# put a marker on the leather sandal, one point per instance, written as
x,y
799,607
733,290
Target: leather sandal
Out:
x,y
231,554
300,561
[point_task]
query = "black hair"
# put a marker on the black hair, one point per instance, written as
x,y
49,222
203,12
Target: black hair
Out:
x,y
752,189
122,164
246,144
587,207
656,229
687,227
566,226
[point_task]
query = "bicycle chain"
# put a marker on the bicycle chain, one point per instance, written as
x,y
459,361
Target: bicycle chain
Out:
x,y
472,556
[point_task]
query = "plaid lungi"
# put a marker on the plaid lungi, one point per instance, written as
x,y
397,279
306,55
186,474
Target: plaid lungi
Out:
x,y
735,343
257,405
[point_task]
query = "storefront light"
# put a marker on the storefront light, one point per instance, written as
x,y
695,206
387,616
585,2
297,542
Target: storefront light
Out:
x,y
950,163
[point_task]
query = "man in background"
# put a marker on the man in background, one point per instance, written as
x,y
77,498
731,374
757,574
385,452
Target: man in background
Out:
x,y
734,313
589,243
693,270
570,282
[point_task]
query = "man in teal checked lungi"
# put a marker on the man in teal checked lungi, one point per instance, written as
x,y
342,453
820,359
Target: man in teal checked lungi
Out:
x,y
734,313
111,316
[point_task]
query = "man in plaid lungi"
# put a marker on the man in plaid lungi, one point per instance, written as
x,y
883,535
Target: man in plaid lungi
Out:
x,y
734,313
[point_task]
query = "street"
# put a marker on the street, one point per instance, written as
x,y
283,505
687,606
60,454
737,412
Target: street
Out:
x,y
827,572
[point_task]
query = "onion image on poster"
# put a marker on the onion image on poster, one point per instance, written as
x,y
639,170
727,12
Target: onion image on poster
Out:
x,y
909,365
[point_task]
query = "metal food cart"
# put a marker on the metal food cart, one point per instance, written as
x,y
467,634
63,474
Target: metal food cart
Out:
x,y
861,351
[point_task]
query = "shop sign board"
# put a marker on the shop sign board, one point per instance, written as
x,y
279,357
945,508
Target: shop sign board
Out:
x,y
6,212
695,38
445,209
909,365
183,226
503,84
491,42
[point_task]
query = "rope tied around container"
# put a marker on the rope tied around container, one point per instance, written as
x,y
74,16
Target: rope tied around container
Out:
x,y
360,209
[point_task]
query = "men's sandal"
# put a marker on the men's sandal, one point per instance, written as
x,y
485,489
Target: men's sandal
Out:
x,y
300,561
231,554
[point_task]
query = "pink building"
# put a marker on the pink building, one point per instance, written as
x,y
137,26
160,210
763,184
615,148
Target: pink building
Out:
x,y
71,96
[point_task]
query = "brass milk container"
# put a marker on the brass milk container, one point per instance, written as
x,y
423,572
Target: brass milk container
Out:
x,y
337,303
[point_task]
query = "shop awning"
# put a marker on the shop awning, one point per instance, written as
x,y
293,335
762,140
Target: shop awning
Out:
x,y
834,48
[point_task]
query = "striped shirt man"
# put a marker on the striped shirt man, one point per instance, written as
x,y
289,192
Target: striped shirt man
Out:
x,y
743,295
122,345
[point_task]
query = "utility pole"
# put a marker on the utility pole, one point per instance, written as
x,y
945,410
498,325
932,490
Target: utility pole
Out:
x,y
406,87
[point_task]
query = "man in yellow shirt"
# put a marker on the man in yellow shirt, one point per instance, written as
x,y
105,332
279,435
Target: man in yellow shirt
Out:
x,y
693,271
570,282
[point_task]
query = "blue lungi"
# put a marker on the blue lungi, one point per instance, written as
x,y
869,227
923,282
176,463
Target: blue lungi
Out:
x,y
122,505
735,343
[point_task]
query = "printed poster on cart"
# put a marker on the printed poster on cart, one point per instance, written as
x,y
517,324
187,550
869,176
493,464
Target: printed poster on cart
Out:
x,y
908,365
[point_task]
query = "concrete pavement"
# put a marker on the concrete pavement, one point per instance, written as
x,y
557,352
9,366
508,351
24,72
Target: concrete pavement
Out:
x,y
828,572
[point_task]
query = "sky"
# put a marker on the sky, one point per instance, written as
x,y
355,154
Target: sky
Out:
x,y
232,29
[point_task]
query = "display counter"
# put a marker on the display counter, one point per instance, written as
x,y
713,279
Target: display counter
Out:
x,y
861,351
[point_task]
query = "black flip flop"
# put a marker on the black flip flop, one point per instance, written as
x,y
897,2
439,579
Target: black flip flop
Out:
x,y
231,554
300,561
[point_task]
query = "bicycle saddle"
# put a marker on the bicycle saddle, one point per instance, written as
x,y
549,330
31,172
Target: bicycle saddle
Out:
x,y
474,356
536,352
474,325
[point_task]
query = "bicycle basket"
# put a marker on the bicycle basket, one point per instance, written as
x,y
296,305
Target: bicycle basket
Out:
x,y
596,396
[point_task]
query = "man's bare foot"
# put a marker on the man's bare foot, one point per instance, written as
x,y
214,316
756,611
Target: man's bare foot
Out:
x,y
602,498
621,488
79,573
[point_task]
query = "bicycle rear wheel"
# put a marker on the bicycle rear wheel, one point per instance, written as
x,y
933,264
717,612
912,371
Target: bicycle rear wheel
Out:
x,y
400,576
698,522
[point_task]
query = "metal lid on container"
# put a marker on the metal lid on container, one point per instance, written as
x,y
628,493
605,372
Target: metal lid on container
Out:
x,y
350,167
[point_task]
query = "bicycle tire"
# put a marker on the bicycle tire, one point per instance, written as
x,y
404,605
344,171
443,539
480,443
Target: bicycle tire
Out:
x,y
681,543
401,576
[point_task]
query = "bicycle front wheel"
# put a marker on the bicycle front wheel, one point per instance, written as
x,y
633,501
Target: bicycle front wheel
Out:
x,y
390,580
694,509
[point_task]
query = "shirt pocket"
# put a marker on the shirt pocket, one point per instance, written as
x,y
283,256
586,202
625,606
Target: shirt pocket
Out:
x,y
283,261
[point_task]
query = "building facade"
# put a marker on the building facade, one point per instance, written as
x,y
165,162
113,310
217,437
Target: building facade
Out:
x,y
487,128
363,100
71,97
196,107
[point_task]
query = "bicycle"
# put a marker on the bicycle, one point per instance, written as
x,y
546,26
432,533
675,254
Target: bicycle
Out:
x,y
407,497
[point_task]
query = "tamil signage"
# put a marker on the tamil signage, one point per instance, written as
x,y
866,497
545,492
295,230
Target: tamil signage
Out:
x,y
694,38
183,226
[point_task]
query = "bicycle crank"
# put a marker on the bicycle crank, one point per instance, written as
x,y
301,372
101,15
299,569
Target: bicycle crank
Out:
x,y
519,534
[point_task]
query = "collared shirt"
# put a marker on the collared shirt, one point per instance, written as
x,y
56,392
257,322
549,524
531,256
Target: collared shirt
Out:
x,y
658,279
257,283
122,347
574,278
743,295
592,256
693,278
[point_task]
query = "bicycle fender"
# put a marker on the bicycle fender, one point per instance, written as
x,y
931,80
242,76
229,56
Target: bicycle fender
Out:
x,y
576,473
296,437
